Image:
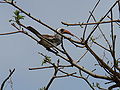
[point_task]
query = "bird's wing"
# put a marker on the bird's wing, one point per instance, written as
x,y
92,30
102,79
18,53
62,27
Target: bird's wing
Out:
x,y
50,38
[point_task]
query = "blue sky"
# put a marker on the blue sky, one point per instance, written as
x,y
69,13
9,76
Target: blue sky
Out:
x,y
20,52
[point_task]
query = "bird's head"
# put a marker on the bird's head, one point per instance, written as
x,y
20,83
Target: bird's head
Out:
x,y
64,31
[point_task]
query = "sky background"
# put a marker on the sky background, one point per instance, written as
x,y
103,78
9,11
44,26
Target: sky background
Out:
x,y
20,52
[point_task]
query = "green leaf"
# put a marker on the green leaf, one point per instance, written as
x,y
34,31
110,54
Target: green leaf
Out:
x,y
45,60
17,16
20,17
17,12
44,88
10,20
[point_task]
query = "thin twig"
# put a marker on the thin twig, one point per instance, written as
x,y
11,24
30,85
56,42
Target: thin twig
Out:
x,y
72,75
89,19
115,22
101,46
2,2
119,7
3,83
51,80
82,56
24,32
113,42
10,33
113,86
102,32
86,80
53,77
93,23
94,29
85,70
102,63
66,53
55,71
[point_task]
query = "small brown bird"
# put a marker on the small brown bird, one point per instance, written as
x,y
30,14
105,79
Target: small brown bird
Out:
x,y
55,39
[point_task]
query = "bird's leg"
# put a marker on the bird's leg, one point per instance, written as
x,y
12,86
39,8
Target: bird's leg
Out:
x,y
56,52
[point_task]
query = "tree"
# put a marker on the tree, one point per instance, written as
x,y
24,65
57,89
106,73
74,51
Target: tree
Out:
x,y
98,42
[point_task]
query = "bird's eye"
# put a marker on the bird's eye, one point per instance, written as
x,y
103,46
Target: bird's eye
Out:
x,y
61,30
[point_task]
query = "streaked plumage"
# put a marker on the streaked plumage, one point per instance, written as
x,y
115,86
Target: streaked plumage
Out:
x,y
55,39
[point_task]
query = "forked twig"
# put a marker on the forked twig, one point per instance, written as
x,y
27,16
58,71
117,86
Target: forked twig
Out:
x,y
89,19
94,29
102,33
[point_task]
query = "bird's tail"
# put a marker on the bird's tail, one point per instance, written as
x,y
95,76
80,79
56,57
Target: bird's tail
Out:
x,y
34,31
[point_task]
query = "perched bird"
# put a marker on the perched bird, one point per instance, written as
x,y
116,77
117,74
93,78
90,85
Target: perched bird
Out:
x,y
55,39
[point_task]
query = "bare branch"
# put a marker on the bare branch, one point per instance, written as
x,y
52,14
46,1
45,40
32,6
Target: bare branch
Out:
x,y
11,72
102,33
89,19
61,66
113,86
119,7
113,74
72,75
24,32
101,46
77,24
82,56
86,80
100,21
52,79
66,53
113,42
10,33
40,22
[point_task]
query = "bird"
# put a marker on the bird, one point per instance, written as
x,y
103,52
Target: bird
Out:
x,y
55,39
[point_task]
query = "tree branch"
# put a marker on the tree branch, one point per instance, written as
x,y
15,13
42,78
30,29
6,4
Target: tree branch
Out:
x,y
52,79
61,66
40,22
11,72
93,23
102,33
100,21
89,19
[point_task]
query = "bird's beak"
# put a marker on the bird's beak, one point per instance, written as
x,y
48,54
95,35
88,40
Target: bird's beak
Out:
x,y
67,32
